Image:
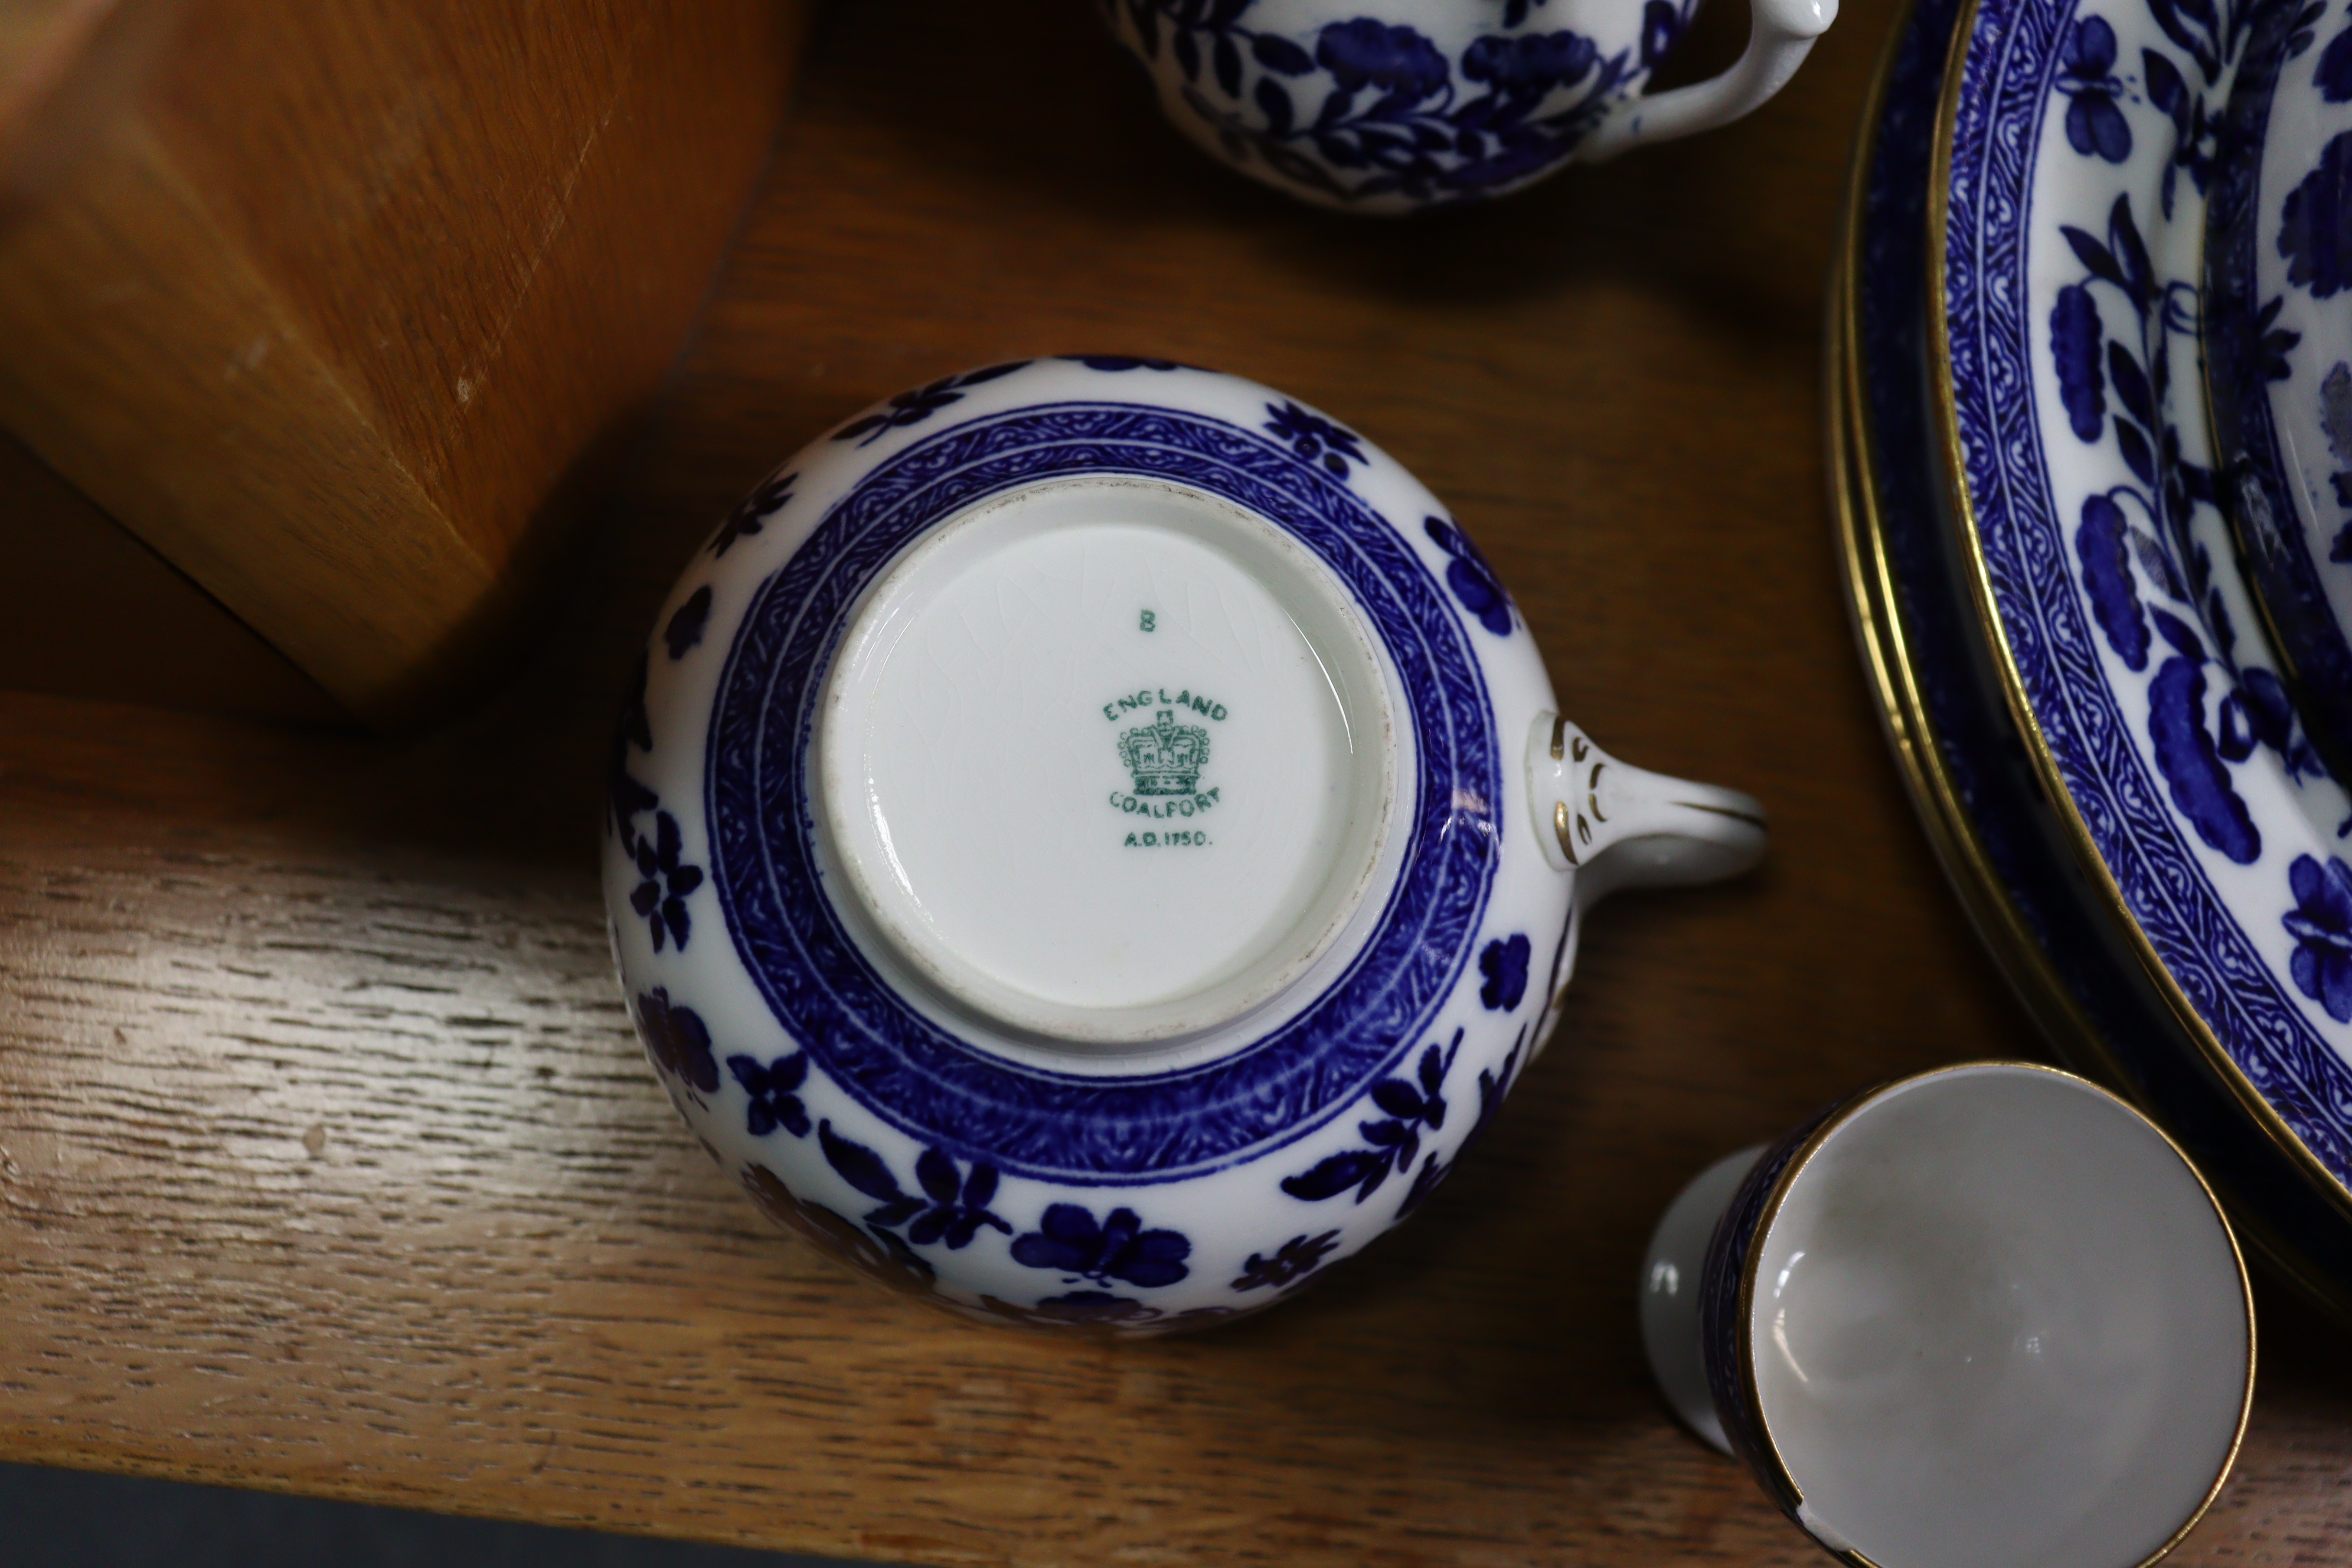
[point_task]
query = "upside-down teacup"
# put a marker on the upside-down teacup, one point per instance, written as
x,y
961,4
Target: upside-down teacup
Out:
x,y
1093,843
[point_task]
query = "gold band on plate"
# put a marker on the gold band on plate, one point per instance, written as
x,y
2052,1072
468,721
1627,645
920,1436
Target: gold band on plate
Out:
x,y
1882,635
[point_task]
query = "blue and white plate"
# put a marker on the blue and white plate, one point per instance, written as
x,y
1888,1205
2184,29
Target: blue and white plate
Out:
x,y
2008,851
2278,343
2075,154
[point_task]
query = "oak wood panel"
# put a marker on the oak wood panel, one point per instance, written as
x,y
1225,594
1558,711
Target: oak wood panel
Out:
x,y
327,1163
346,315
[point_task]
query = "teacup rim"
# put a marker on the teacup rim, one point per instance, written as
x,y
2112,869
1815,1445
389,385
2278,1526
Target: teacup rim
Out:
x,y
1776,1476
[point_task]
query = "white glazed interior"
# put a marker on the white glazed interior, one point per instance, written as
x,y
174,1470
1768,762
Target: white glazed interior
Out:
x,y
974,795
1997,1319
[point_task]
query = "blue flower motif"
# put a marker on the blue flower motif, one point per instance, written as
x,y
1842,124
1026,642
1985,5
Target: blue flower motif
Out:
x,y
1504,965
2315,224
1472,580
1070,1241
1398,60
1492,1088
1292,1261
913,408
1516,11
677,1038
2094,125
1531,64
1315,438
660,897
751,513
2335,72
775,1099
2102,542
2321,924
684,628
1395,1141
2076,337
951,1207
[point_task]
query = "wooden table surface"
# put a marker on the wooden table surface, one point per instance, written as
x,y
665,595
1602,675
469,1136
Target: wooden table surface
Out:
x,y
328,1163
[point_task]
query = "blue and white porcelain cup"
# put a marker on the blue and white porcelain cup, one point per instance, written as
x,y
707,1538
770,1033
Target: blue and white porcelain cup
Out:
x,y
1390,106
1094,844
1987,1314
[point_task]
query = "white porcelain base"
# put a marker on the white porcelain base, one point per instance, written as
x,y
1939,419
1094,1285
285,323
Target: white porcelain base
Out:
x,y
1109,761
1670,1296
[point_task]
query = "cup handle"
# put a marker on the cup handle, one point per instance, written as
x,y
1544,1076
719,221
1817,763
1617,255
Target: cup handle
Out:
x,y
1780,34
1617,825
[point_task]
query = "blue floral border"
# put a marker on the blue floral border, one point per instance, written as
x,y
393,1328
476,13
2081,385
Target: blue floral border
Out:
x,y
2015,821
934,1085
2183,916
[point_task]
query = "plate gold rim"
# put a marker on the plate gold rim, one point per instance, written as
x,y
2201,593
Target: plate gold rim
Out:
x,y
1944,401
1882,633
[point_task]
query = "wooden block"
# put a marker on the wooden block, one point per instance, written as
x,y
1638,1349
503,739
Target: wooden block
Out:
x,y
86,610
342,315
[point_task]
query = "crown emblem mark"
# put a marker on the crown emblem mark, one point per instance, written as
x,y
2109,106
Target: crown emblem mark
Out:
x,y
1165,757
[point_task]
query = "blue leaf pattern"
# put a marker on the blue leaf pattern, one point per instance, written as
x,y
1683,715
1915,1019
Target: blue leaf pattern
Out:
x,y
1377,108
950,1207
2191,765
2075,336
1292,1261
1412,1106
684,631
913,408
2106,576
2321,924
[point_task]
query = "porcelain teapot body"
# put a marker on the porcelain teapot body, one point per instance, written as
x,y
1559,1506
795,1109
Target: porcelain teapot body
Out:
x,y
1094,844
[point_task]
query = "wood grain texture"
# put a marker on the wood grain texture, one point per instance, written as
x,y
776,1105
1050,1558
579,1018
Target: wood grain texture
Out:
x,y
345,317
67,68
327,1161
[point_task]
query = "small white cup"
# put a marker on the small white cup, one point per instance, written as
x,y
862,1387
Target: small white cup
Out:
x,y
1987,1315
